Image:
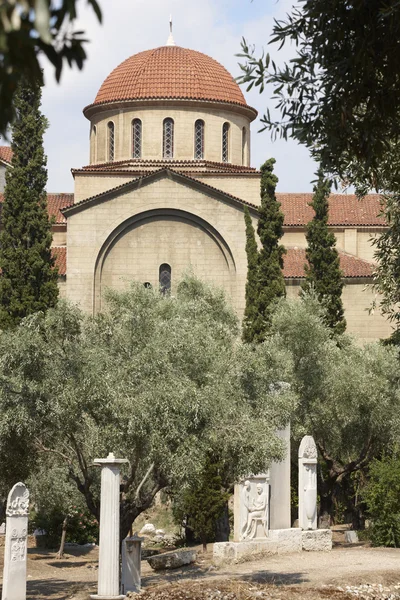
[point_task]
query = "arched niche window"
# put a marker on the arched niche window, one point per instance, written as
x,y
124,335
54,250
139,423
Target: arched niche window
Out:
x,y
111,141
165,278
199,139
94,144
168,138
244,146
137,138
225,142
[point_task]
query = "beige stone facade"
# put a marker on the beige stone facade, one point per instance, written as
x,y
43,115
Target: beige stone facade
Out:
x,y
136,213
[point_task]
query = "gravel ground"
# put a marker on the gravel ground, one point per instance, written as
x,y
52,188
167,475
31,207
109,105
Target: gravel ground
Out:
x,y
348,572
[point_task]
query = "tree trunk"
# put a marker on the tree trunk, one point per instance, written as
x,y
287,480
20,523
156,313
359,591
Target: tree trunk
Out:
x,y
60,552
204,542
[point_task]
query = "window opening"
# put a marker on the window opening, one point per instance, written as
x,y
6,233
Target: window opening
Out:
x,y
136,138
199,139
244,146
168,138
165,278
111,141
147,285
225,142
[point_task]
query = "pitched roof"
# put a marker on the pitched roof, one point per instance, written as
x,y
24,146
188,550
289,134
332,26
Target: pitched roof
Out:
x,y
352,266
6,154
60,255
170,72
140,165
55,202
344,209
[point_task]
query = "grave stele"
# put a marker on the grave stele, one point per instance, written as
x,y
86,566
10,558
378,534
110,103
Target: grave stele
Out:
x,y
251,509
131,562
108,578
308,483
14,575
279,480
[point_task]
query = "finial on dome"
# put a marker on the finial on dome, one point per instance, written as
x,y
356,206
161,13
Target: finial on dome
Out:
x,y
170,40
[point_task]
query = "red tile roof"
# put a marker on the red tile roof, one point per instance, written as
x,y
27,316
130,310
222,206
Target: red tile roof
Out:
x,y
207,166
344,209
351,266
55,202
60,255
6,154
170,72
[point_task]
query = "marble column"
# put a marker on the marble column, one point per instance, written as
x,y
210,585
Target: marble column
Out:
x,y
279,480
14,575
108,578
308,483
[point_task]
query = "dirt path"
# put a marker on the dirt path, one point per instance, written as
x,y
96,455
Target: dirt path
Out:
x,y
308,576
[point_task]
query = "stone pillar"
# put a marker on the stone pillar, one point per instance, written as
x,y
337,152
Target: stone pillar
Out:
x,y
108,579
131,561
14,575
279,480
308,483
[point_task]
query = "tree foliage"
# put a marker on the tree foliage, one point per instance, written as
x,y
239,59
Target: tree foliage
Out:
x,y
160,380
382,497
203,501
339,94
350,394
323,268
266,277
28,281
29,28
252,283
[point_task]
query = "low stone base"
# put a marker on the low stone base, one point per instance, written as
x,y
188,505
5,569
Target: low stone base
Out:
x,y
280,541
227,553
288,540
96,597
318,540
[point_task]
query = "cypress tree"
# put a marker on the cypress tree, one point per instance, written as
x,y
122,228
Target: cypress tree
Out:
x,y
250,312
270,263
28,282
323,269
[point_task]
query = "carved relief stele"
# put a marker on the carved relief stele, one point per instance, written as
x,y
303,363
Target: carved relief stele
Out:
x,y
18,501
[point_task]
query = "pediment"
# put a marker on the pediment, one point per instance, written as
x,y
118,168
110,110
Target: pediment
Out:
x,y
150,179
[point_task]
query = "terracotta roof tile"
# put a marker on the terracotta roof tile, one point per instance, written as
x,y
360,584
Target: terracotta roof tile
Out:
x,y
345,209
170,72
60,255
6,154
55,202
351,266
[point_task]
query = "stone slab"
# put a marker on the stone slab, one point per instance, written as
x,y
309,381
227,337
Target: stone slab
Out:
x,y
172,560
225,553
317,540
288,540
351,537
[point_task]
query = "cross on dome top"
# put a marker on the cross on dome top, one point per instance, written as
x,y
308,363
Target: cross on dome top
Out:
x,y
170,40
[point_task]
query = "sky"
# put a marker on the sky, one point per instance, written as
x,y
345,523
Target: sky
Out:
x,y
214,27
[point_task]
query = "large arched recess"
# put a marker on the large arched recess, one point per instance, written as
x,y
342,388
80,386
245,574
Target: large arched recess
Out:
x,y
137,247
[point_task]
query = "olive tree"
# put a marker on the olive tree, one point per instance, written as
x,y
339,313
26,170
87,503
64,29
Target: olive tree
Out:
x,y
160,380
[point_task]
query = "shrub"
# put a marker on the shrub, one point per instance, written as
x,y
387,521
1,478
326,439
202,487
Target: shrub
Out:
x,y
382,496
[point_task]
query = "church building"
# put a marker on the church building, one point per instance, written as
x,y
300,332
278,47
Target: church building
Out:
x,y
167,181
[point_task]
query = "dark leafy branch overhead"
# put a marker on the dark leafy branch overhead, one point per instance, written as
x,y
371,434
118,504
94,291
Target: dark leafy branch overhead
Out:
x,y
29,28
339,94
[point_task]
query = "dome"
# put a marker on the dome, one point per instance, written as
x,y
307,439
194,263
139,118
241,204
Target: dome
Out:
x,y
170,72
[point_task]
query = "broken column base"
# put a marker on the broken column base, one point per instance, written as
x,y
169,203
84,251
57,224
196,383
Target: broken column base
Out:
x,y
317,540
279,541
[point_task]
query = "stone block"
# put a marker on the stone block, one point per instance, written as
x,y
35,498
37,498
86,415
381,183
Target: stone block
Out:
x,y
351,537
227,553
317,540
172,560
288,540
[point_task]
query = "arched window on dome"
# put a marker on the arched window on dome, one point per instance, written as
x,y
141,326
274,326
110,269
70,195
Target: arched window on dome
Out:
x,y
111,141
94,144
136,138
165,278
244,146
225,142
199,139
168,138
